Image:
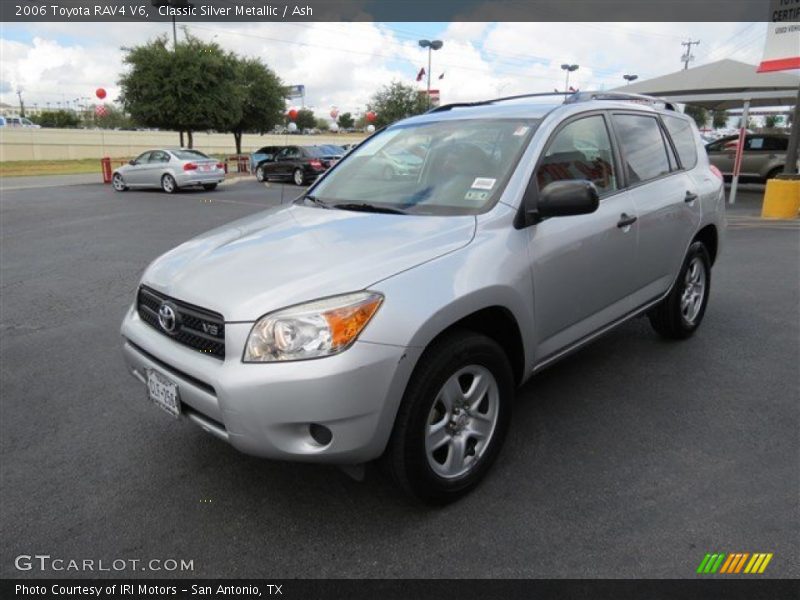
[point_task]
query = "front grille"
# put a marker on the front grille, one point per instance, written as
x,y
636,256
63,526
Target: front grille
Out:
x,y
195,327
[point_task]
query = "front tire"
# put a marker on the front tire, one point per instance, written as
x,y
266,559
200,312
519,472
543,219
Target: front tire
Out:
x,y
298,177
118,183
168,184
453,418
679,315
261,176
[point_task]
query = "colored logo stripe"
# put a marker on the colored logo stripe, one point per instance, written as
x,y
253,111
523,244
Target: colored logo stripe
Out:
x,y
734,563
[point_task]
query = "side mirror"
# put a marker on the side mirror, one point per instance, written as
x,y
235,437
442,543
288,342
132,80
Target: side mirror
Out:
x,y
132,162
567,197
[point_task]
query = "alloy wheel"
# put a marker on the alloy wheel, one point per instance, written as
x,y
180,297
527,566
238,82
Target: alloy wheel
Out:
x,y
694,289
462,421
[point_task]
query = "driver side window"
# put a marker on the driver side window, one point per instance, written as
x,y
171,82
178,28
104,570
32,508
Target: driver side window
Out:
x,y
581,150
143,158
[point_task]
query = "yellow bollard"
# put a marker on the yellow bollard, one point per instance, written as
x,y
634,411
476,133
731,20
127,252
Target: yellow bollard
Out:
x,y
781,199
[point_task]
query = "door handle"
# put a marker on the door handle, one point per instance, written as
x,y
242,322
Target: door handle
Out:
x,y
626,220
690,197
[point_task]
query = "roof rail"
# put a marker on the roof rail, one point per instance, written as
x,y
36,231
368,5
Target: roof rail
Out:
x,y
641,98
569,98
445,107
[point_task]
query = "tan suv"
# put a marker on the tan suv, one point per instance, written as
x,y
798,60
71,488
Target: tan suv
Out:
x,y
764,155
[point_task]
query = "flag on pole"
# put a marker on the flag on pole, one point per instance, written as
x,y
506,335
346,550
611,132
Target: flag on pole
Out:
x,y
421,74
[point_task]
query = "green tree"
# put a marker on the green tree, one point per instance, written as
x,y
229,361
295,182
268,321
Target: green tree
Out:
x,y
305,119
345,121
720,119
189,89
771,121
397,101
63,119
698,113
261,97
322,124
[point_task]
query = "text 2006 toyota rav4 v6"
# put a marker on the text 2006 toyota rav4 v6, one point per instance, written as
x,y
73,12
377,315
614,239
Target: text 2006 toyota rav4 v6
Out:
x,y
391,312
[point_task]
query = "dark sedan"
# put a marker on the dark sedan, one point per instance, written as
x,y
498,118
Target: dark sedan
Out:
x,y
299,164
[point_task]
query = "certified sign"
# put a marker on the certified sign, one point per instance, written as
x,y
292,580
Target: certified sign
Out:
x,y
782,48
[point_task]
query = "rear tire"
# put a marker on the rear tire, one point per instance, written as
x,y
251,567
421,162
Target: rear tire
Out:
x,y
774,173
453,418
168,184
298,177
209,187
679,315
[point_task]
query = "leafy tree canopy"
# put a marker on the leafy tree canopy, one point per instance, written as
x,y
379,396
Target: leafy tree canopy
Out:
x,y
397,101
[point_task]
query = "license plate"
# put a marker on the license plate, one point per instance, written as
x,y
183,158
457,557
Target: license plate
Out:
x,y
163,392
205,167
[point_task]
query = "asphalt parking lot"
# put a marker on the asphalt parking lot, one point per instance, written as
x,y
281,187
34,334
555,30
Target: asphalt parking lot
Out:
x,y
632,458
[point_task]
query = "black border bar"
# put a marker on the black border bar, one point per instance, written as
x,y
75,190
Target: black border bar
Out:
x,y
389,10
731,588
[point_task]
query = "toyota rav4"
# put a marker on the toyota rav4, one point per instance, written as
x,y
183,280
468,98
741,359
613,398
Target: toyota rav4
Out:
x,y
391,314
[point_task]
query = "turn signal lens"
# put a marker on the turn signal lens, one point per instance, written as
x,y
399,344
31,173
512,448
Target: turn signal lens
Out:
x,y
189,167
313,330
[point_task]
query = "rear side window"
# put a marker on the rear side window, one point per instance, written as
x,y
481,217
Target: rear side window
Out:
x,y
643,150
781,144
683,137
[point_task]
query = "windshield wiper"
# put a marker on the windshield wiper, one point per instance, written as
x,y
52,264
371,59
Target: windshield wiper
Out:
x,y
313,199
366,207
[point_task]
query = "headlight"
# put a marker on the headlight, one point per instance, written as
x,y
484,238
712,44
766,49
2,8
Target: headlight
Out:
x,y
311,330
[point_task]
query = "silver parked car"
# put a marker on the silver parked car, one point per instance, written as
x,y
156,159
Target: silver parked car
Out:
x,y
170,170
394,318
763,158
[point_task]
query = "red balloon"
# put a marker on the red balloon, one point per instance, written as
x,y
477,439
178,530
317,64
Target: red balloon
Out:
x,y
293,114
100,92
371,116
334,112
100,110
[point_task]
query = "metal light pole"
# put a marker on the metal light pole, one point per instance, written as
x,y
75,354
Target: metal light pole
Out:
x,y
430,45
630,78
21,103
569,69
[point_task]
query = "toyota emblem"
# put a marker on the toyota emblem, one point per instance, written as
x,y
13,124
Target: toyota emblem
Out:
x,y
167,317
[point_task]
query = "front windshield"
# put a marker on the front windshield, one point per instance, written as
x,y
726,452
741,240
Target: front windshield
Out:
x,y
445,167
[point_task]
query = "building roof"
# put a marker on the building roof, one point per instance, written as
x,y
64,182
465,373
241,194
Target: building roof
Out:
x,y
721,85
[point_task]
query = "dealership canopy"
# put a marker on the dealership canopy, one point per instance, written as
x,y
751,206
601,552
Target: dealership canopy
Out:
x,y
721,85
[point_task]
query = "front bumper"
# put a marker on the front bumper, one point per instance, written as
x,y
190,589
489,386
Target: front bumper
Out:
x,y
267,409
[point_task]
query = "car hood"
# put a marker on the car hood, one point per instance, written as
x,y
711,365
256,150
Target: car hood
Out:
x,y
293,254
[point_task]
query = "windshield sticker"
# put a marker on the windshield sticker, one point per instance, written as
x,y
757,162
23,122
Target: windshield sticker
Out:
x,y
483,183
521,130
473,195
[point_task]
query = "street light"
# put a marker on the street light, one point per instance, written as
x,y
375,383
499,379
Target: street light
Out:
x,y
430,45
569,69
630,78
185,4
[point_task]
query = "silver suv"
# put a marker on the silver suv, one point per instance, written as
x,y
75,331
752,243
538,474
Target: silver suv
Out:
x,y
390,314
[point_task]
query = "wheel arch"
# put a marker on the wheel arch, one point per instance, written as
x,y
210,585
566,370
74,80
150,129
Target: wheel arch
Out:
x,y
497,323
709,236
